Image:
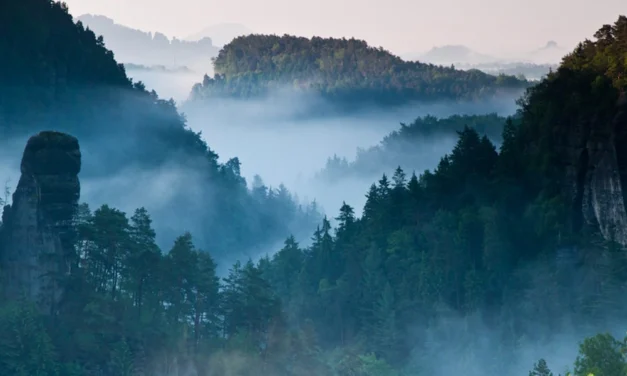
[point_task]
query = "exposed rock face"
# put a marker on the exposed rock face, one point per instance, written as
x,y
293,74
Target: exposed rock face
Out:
x,y
37,236
598,175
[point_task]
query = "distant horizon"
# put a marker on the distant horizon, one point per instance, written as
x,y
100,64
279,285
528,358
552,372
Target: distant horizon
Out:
x,y
401,26
405,55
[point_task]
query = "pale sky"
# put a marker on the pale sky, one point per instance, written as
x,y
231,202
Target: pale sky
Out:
x,y
489,26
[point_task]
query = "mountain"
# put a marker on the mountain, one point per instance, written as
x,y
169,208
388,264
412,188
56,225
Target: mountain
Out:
x,y
513,254
221,34
582,132
58,76
551,53
455,54
530,71
496,261
414,147
145,48
534,65
344,71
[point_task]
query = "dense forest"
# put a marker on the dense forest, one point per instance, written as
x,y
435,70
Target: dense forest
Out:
x,y
58,75
414,147
487,239
340,69
529,71
490,243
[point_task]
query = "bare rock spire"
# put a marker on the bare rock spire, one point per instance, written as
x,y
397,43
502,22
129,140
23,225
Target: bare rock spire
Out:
x,y
37,236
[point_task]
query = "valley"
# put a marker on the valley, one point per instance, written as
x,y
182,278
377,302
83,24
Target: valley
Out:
x,y
305,206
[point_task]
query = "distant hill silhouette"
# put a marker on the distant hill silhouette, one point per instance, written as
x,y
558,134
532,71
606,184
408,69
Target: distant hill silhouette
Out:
x,y
454,54
341,70
221,34
149,49
551,53
531,64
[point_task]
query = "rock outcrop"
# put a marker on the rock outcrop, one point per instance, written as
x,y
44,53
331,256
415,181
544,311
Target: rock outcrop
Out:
x,y
37,236
597,174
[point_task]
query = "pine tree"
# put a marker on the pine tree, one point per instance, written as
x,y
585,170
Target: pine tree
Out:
x,y
541,369
121,363
25,347
205,299
143,261
180,266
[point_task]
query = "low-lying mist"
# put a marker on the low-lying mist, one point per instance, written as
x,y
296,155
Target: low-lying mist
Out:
x,y
135,153
272,139
553,308
278,138
446,342
169,84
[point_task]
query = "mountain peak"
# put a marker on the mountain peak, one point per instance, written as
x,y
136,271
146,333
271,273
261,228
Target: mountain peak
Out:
x,y
551,44
222,33
455,54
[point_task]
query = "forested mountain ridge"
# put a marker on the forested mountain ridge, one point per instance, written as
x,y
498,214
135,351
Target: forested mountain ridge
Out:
x,y
575,142
476,267
413,146
134,46
57,75
346,69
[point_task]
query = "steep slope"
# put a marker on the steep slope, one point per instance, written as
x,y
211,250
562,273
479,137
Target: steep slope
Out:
x,y
340,69
417,146
574,127
57,75
476,267
144,48
37,234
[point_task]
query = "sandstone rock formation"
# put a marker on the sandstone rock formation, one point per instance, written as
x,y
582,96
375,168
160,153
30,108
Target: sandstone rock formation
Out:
x,y
37,236
597,174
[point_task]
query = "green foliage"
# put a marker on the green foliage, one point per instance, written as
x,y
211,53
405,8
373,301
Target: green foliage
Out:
x,y
607,55
345,70
373,366
57,74
601,355
25,346
459,236
541,369
121,362
412,145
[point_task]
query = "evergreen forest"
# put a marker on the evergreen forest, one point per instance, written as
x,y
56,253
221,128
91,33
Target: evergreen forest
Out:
x,y
486,264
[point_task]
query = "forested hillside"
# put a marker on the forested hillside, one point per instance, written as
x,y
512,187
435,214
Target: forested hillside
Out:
x,y
414,147
58,75
480,266
151,49
340,69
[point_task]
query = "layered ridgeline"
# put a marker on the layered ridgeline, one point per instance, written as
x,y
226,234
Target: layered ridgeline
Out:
x,y
57,75
485,264
417,146
139,49
339,69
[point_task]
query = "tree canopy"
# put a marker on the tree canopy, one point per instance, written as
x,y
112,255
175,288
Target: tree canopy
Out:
x,y
58,75
455,270
348,70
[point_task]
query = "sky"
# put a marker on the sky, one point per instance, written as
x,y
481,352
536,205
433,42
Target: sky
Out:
x,y
401,26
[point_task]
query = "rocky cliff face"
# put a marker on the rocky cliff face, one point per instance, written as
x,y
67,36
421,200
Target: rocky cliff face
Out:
x,y
36,238
597,173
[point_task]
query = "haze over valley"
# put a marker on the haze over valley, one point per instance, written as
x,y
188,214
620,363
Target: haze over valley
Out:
x,y
194,189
